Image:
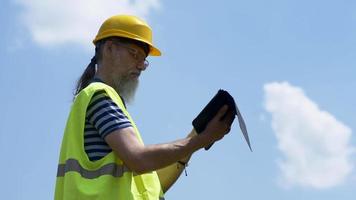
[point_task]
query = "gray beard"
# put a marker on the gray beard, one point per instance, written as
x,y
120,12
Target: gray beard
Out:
x,y
126,88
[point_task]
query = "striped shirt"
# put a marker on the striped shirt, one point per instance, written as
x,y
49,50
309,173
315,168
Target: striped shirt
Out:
x,y
103,117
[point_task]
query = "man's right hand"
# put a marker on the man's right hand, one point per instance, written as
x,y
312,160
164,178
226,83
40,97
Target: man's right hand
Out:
x,y
218,127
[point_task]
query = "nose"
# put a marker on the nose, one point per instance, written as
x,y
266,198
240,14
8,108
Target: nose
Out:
x,y
142,65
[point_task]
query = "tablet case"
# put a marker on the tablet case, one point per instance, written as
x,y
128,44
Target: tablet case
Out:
x,y
210,110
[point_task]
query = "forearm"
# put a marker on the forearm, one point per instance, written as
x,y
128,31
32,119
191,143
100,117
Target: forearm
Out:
x,y
154,157
141,159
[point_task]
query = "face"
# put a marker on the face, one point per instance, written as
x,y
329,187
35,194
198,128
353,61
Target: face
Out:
x,y
128,61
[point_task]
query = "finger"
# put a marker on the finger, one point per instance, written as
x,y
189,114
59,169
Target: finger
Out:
x,y
221,112
230,117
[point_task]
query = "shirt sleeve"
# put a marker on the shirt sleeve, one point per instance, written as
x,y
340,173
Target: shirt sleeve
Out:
x,y
105,115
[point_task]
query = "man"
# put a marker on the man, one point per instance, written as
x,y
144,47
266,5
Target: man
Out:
x,y
102,154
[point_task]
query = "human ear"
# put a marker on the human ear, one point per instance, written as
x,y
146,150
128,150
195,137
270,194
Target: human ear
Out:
x,y
108,49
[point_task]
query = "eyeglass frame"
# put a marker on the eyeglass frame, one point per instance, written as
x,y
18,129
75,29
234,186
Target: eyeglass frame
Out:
x,y
134,53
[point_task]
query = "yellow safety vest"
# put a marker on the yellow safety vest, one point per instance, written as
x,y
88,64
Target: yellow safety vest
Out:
x,y
78,178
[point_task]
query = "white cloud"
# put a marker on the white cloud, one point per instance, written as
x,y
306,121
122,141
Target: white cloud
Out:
x,y
55,22
315,145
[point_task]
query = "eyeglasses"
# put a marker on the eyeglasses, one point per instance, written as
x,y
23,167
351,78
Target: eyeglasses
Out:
x,y
136,54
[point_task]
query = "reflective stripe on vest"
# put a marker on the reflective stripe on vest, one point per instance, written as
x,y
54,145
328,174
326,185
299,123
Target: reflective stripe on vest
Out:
x,y
73,165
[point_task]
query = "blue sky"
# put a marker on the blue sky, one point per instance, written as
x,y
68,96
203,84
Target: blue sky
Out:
x,y
289,64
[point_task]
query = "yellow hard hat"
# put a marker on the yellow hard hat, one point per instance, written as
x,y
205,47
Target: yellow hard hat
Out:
x,y
128,26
